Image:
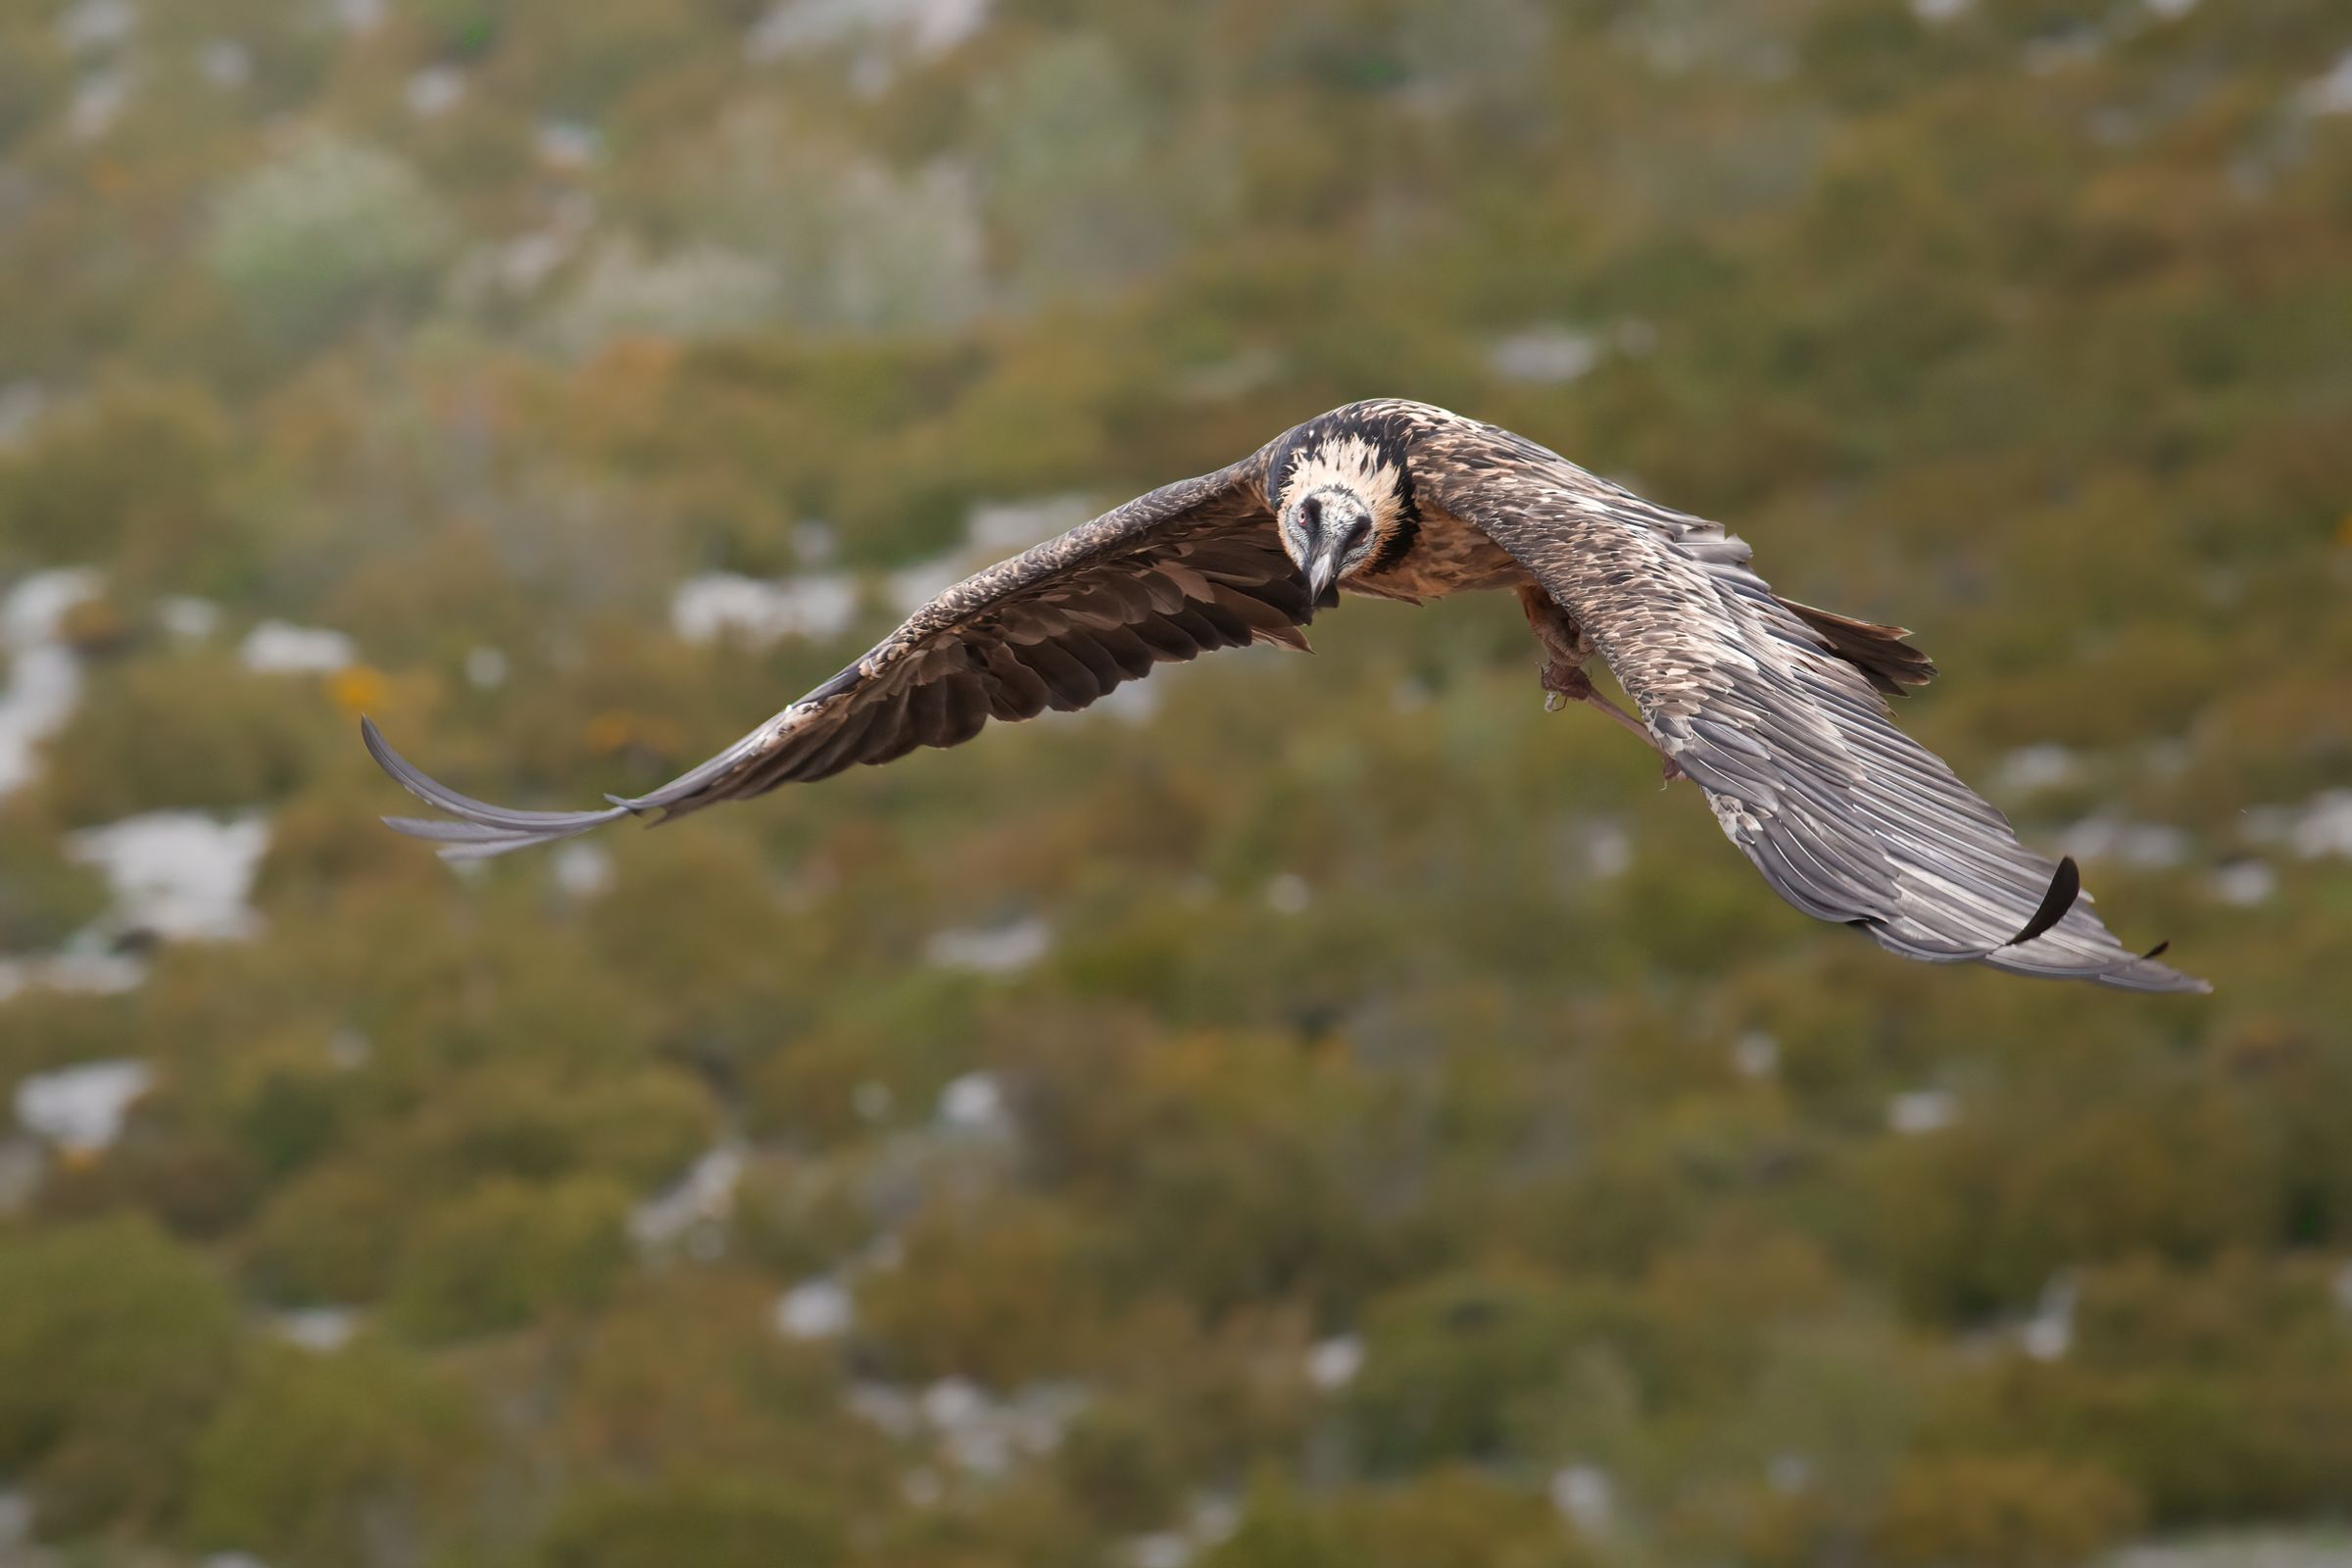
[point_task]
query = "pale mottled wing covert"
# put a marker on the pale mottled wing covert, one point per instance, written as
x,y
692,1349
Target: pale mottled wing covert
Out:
x,y
1189,568
1848,818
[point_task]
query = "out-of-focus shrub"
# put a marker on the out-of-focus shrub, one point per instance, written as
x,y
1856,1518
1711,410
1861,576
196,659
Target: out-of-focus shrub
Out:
x,y
2197,1447
74,495
1449,1518
114,1342
1450,1366
634,1128
732,1397
1119,1467
43,897
328,228
332,1458
331,1236
2021,1511
506,1253
1983,1214
234,740
708,291
739,1523
987,1290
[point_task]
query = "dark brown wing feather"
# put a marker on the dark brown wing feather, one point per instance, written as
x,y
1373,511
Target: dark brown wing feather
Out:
x,y
1771,710
1191,567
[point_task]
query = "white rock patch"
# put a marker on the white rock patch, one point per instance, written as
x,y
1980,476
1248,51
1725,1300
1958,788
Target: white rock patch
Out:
x,y
820,1309
1331,1364
180,875
697,1201
998,950
281,648
1547,355
45,679
80,1109
761,611
1922,1110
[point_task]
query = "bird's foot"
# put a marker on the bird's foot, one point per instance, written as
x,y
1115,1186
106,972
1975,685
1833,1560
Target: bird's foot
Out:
x,y
1565,683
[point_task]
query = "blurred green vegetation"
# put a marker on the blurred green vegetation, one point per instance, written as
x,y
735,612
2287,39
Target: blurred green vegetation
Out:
x,y
1410,1138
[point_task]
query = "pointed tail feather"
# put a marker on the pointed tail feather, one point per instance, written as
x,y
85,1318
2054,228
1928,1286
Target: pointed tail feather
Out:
x,y
1891,665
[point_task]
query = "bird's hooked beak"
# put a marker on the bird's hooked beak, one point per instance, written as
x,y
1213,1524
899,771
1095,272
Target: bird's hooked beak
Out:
x,y
1327,533
1323,575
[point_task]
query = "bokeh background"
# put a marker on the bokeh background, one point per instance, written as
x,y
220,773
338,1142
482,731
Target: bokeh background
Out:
x,y
1311,1113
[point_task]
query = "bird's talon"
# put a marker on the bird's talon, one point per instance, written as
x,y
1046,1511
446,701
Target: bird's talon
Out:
x,y
1567,681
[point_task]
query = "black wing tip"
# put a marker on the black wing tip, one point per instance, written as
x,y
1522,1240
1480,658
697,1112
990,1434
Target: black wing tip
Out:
x,y
2065,886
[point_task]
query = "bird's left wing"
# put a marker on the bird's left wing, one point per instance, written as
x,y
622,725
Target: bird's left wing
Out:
x,y
1189,568
1846,816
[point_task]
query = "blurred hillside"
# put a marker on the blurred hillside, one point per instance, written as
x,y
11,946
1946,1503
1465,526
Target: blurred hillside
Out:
x,y
1321,1112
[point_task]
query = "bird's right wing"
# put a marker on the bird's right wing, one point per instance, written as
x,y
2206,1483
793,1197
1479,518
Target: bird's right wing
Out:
x,y
1846,816
1191,567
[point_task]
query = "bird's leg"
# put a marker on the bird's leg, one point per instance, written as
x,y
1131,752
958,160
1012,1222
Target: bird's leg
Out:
x,y
1566,649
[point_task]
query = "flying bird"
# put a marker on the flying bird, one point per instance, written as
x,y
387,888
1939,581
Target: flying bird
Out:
x,y
1775,710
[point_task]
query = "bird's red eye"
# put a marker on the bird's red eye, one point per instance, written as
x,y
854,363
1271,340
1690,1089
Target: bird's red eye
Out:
x,y
1311,512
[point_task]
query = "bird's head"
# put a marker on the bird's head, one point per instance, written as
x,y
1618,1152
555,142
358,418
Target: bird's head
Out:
x,y
1328,534
1345,506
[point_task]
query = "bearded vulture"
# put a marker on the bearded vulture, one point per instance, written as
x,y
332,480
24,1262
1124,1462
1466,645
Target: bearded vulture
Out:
x,y
1775,710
